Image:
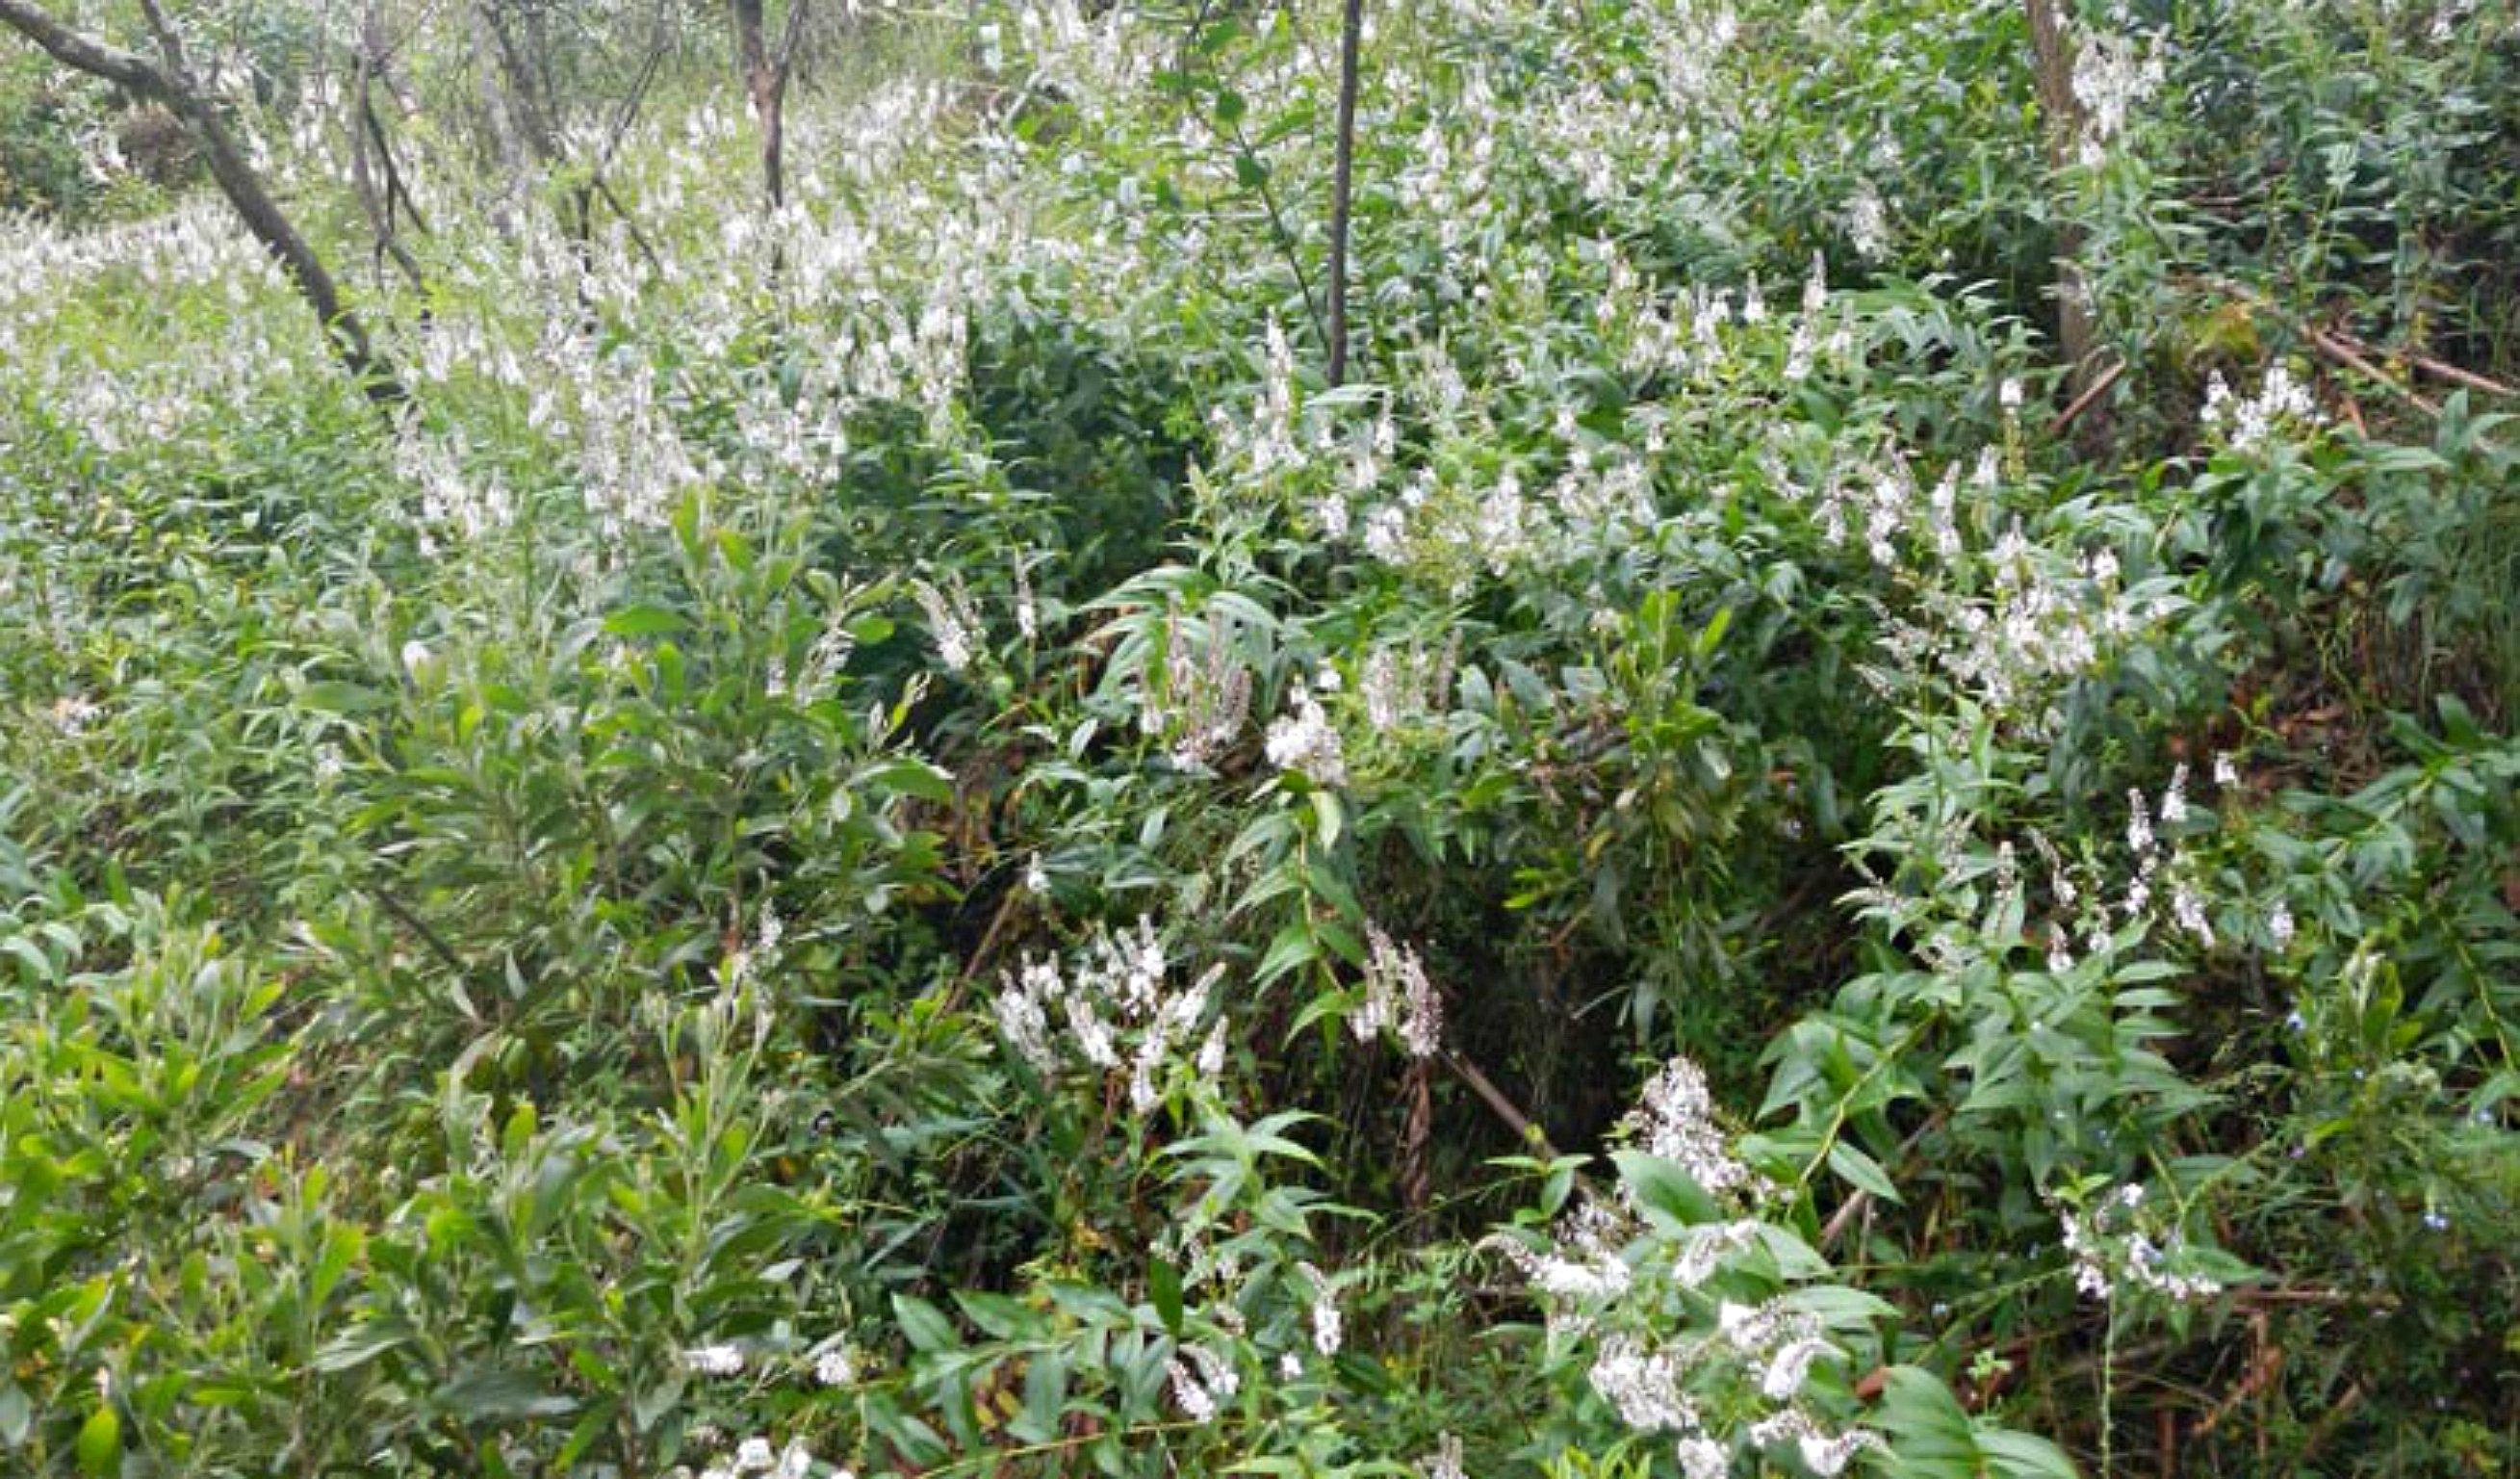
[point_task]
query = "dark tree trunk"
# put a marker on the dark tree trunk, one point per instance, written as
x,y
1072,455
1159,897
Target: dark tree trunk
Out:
x,y
1343,187
765,84
2051,56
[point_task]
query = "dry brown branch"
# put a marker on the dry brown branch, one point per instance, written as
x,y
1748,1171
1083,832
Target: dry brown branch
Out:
x,y
2089,397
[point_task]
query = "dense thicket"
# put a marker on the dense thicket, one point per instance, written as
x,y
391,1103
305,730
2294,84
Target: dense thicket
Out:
x,y
1815,774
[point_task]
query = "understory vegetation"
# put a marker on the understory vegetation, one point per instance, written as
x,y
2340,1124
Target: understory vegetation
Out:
x,y
1775,738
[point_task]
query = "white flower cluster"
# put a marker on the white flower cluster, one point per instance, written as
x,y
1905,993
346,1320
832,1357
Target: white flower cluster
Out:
x,y
1650,1387
1675,1122
750,961
1601,500
714,1360
814,680
1759,1354
1114,994
2247,422
472,507
2112,75
1685,336
1200,698
2111,1251
1398,997
1328,1330
1806,343
2041,619
1446,1462
1401,685
953,622
635,465
1646,1386
71,714
1823,1454
2156,857
1204,1383
1582,1262
1304,740
1704,1248
756,1456
1868,223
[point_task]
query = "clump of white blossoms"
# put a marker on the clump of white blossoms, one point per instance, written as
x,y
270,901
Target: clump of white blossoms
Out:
x,y
1582,1260
756,1456
952,622
1446,1462
1675,1122
634,463
451,499
1204,1383
2247,422
1328,1330
2040,620
713,1360
71,714
1823,1454
2112,75
1868,223
1304,740
1117,1011
2112,1248
825,661
1398,997
1401,685
1689,1342
1200,696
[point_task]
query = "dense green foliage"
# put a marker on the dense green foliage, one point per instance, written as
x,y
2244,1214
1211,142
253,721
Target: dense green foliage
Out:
x,y
884,836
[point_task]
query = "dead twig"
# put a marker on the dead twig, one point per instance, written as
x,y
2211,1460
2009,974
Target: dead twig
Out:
x,y
1853,1207
2089,397
1522,1124
2336,350
2264,1367
2438,369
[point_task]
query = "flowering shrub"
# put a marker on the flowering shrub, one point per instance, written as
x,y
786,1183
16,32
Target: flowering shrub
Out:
x,y
1846,805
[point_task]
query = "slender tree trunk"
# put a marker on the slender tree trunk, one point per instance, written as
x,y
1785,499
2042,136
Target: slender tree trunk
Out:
x,y
765,84
2051,56
172,85
496,111
1343,187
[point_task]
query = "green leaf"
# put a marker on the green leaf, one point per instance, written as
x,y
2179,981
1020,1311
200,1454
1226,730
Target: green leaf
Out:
x,y
1662,1186
997,1314
37,963
924,1325
647,621
100,1444
1164,1287
1929,1431
1291,949
1326,808
1713,636
486,1394
2024,1455
330,697
1860,1170
362,1343
912,777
